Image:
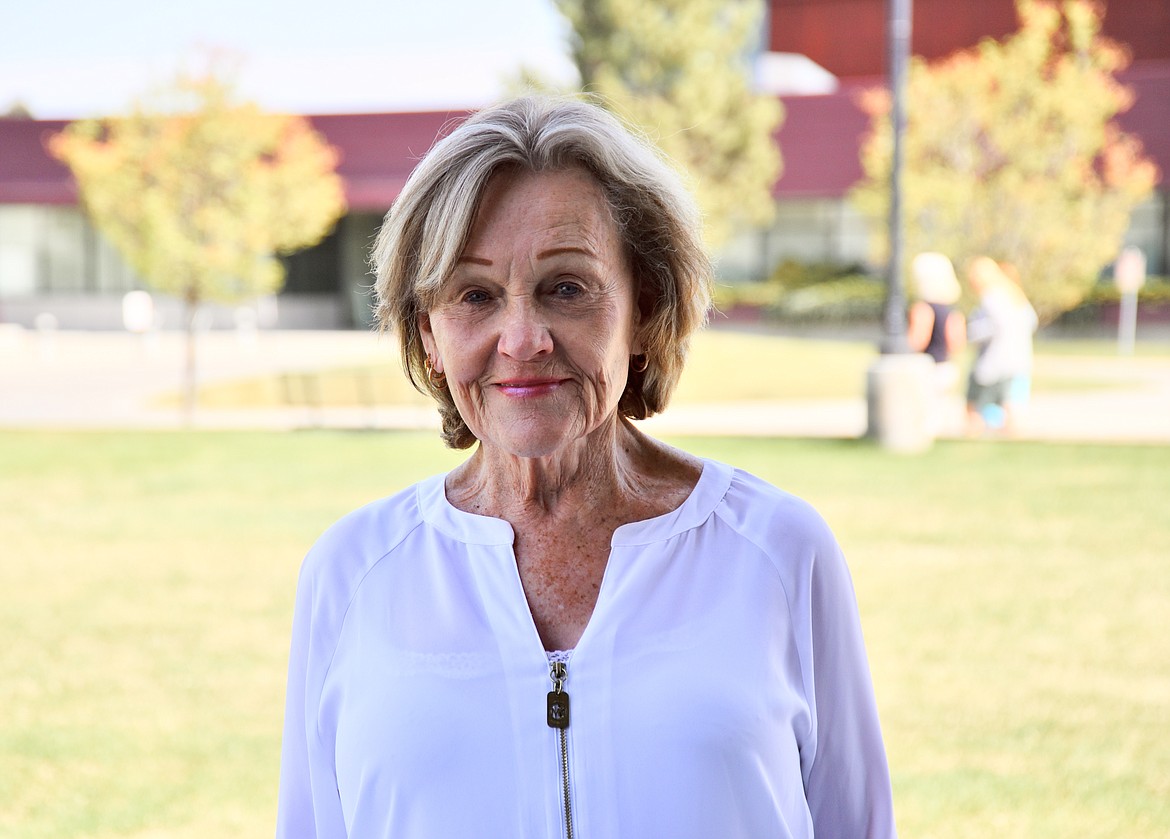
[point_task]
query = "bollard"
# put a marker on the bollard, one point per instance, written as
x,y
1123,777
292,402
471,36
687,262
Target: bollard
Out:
x,y
900,400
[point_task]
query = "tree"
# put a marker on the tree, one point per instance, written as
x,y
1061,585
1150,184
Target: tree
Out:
x,y
679,69
201,193
1012,152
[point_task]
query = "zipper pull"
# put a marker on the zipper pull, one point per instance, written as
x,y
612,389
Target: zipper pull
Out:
x,y
558,699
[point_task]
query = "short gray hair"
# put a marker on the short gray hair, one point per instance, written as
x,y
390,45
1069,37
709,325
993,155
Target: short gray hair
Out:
x,y
427,229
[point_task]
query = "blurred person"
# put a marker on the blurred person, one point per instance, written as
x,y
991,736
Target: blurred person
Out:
x,y
1019,390
580,630
934,325
1001,329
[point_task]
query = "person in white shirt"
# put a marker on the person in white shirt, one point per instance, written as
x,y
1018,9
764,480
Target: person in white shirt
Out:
x,y
580,631
1001,330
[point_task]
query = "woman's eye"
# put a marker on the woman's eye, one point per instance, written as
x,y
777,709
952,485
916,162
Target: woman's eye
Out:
x,y
564,288
475,296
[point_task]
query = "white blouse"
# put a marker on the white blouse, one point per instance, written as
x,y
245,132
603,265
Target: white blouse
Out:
x,y
720,688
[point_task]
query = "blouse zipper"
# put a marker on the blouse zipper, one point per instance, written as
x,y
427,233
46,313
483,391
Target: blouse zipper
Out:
x,y
558,718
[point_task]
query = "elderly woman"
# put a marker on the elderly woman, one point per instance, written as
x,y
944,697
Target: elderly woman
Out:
x,y
581,631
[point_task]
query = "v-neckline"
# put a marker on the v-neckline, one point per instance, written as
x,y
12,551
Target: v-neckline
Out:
x,y
489,531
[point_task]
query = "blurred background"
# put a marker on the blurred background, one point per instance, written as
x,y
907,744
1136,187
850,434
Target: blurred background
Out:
x,y
380,81
154,505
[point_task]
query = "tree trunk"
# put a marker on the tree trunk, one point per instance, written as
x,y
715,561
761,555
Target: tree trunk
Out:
x,y
191,310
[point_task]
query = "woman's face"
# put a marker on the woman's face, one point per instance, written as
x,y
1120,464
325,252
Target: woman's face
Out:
x,y
535,327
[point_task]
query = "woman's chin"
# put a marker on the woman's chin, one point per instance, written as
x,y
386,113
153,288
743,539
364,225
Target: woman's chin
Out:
x,y
545,438
536,443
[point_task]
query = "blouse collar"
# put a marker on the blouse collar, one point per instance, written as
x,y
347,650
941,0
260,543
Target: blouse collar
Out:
x,y
712,486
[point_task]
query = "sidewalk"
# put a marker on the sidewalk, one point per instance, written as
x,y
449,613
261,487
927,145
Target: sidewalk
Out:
x,y
95,380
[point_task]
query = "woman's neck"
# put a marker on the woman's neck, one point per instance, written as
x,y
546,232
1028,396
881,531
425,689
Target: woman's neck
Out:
x,y
601,469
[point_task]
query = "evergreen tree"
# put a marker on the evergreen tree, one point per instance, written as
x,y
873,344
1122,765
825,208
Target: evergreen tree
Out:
x,y
680,71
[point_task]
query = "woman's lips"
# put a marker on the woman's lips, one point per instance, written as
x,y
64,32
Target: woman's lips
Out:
x,y
523,388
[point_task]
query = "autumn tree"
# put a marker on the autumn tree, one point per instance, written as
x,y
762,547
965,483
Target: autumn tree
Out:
x,y
680,70
202,193
1011,151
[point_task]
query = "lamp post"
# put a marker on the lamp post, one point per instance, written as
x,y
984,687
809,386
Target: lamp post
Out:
x,y
898,43
899,384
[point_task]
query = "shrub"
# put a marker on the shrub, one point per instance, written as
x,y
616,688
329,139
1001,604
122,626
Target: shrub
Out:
x,y
820,292
854,298
1102,301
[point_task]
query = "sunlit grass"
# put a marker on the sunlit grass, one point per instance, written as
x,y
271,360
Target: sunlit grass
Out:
x,y
724,366
1015,600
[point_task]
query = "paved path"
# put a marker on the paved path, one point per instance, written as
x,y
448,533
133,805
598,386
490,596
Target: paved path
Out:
x,y
114,380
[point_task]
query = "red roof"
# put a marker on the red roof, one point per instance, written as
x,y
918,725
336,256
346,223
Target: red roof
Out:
x,y
847,37
1149,118
378,152
28,175
819,140
821,135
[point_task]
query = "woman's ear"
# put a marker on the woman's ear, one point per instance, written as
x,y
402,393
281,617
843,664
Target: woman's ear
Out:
x,y
643,310
637,346
428,341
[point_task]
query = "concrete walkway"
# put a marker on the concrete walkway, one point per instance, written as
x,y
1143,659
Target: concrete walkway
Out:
x,y
114,381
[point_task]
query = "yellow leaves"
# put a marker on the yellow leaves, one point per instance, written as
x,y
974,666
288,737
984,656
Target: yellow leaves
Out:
x,y
1011,152
1123,167
200,193
84,147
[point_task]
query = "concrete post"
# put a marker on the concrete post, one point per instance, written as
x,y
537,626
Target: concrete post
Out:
x,y
900,396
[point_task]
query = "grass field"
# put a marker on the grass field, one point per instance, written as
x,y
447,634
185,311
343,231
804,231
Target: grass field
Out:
x,y
724,366
780,368
1015,598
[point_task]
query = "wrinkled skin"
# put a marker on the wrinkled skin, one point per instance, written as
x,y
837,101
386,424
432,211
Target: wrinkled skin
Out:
x,y
535,328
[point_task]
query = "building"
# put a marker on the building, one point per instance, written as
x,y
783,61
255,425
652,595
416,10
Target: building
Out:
x,y
53,263
821,133
55,268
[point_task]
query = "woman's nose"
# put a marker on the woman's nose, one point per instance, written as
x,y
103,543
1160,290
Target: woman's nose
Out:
x,y
523,334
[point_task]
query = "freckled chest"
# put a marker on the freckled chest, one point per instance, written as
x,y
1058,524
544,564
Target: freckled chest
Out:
x,y
561,572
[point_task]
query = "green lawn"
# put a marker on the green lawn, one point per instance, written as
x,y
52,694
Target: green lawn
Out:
x,y
1015,597
724,366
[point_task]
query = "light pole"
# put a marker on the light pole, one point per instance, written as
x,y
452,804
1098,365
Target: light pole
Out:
x,y
899,384
898,43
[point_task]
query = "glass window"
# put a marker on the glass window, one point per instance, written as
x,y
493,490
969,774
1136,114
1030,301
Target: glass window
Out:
x,y
19,225
62,250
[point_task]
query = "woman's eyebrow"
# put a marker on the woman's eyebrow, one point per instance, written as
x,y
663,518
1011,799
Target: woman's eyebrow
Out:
x,y
560,249
547,253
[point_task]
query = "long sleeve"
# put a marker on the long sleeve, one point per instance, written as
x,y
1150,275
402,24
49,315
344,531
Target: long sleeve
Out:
x,y
848,787
309,805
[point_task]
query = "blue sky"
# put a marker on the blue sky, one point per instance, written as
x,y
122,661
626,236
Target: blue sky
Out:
x,y
73,58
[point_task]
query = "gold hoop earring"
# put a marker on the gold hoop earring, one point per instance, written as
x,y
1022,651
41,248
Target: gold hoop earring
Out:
x,y
437,379
639,363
